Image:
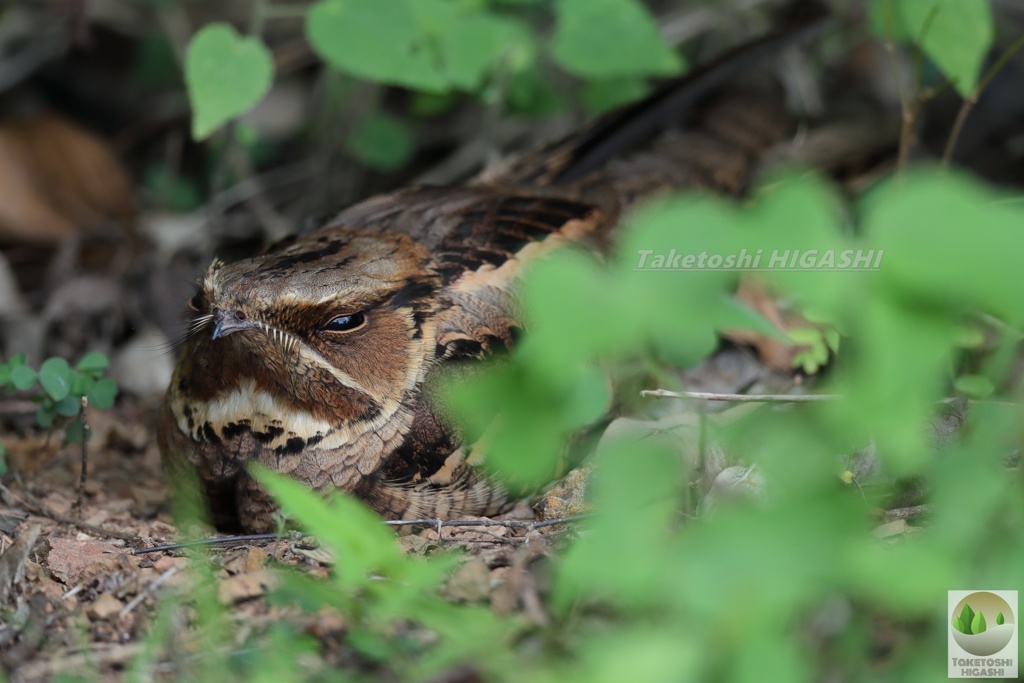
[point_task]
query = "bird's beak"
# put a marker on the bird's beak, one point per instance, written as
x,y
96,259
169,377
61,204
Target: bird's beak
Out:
x,y
229,320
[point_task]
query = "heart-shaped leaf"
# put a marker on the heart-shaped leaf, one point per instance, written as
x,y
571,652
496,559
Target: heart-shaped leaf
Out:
x,y
102,393
93,361
956,35
68,406
226,75
23,377
611,39
379,41
55,377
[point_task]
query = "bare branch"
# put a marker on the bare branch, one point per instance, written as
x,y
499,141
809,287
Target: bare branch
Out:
x,y
740,398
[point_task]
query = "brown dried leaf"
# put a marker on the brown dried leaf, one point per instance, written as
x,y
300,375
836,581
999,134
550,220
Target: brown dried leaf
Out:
x,y
245,586
568,498
58,180
28,454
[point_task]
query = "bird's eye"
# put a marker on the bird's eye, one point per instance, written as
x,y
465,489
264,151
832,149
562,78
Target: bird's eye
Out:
x,y
345,323
195,304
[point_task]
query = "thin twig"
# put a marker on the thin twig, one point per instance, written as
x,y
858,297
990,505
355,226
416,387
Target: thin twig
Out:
x,y
906,117
436,523
919,49
149,590
791,398
739,398
204,541
510,524
911,512
971,100
80,502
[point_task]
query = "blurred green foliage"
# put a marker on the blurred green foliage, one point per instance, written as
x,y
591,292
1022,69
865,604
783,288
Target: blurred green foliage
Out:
x,y
955,35
438,47
58,389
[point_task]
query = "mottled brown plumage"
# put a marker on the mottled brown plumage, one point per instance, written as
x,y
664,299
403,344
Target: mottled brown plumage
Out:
x,y
315,359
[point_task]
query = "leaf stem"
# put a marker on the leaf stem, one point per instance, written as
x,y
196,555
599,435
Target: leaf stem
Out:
x,y
971,100
83,416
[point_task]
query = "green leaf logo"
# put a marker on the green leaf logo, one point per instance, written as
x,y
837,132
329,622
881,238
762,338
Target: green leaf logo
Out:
x,y
965,619
978,625
1000,620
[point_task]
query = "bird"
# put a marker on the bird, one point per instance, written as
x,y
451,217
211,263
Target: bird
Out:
x,y
318,359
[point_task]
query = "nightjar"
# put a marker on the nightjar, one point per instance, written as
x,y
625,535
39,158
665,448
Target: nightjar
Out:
x,y
317,358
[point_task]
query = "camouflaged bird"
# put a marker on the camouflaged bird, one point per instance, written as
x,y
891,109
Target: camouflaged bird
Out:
x,y
315,359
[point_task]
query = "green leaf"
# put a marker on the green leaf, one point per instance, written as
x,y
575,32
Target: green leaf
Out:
x,y
379,41
474,46
886,20
471,43
23,377
959,35
73,432
531,92
832,339
92,362
18,359
45,415
226,74
975,386
941,264
969,337
55,377
351,529
429,104
601,95
68,406
382,142
1000,619
102,393
610,39
80,383
957,624
978,624
172,190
